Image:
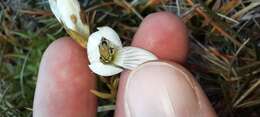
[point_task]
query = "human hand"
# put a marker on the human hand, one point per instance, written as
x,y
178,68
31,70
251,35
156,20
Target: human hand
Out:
x,y
154,89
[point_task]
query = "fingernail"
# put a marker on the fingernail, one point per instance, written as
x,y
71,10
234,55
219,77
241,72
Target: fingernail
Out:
x,y
160,89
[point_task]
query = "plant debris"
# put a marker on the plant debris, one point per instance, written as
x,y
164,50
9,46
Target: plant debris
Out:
x,y
224,56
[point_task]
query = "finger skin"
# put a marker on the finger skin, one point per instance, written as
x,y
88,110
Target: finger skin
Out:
x,y
64,82
200,107
165,35
164,89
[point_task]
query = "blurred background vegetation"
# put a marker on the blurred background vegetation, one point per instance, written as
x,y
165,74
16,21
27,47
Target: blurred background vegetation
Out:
x,y
224,57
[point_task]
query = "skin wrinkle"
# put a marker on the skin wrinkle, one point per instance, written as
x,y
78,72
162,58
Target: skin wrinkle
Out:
x,y
186,77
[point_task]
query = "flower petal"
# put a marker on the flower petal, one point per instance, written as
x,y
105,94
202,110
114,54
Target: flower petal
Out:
x,y
110,35
71,16
54,9
104,70
68,13
95,40
92,47
132,57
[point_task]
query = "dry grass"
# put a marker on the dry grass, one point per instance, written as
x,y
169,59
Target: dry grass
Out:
x,y
224,34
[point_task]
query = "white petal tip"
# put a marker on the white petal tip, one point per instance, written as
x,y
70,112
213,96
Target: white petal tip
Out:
x,y
104,70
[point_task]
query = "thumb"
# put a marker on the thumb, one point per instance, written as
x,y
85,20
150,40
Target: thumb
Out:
x,y
161,89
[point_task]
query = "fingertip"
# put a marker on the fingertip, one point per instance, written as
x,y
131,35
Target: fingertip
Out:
x,y
165,35
163,89
64,46
64,82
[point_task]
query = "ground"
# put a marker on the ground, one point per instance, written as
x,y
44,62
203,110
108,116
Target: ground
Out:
x,y
224,56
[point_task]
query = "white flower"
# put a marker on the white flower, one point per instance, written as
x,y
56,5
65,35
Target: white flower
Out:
x,y
69,14
108,57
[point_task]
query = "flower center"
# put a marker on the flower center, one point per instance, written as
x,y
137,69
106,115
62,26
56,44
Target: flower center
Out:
x,y
107,51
